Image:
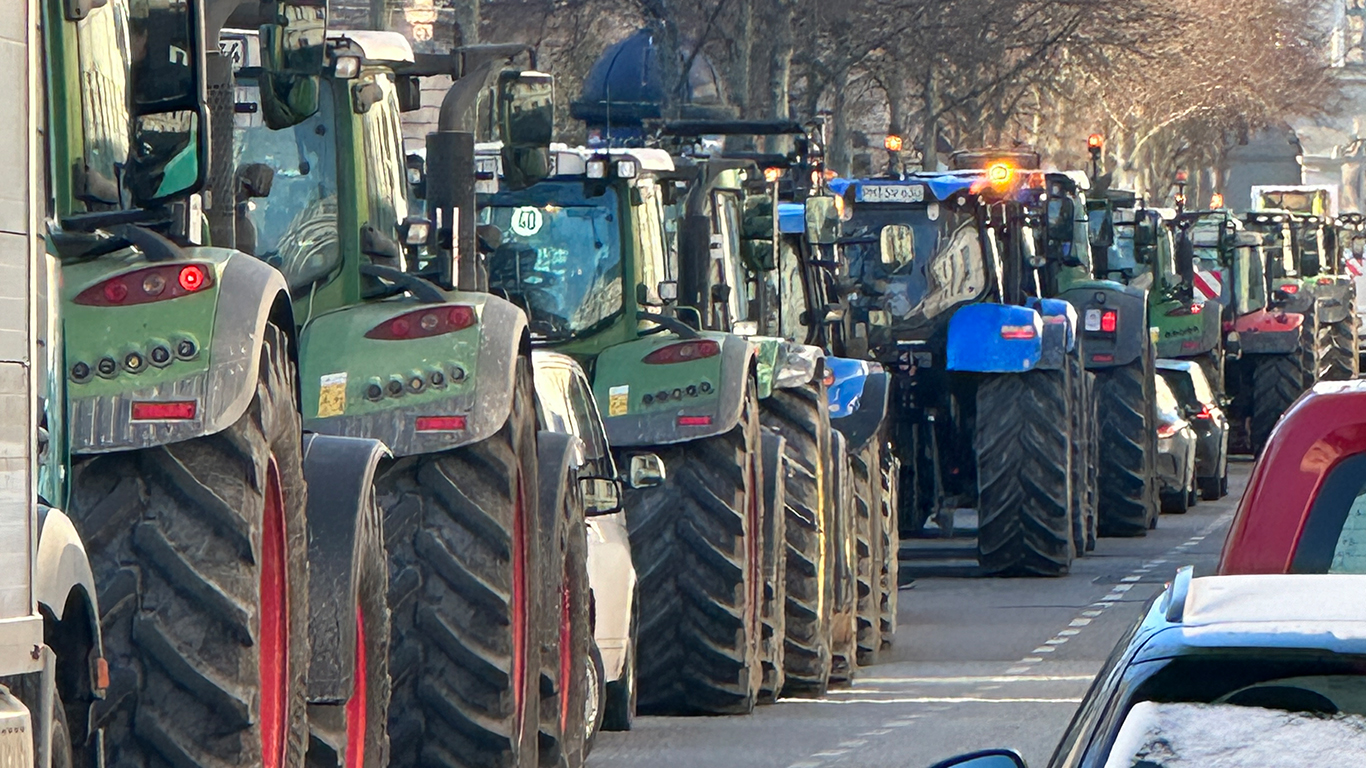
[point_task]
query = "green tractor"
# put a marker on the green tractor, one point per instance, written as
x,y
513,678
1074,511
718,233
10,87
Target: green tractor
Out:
x,y
491,617
1284,286
1322,274
239,562
586,253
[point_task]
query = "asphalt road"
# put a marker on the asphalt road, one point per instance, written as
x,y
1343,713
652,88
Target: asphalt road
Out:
x,y
977,663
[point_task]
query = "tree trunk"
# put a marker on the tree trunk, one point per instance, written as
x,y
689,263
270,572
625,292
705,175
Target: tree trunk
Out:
x,y
929,132
839,140
467,21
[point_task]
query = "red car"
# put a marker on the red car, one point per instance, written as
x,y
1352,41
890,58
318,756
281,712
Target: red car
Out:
x,y
1305,507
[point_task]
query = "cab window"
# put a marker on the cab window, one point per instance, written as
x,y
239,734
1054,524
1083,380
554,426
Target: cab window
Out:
x,y
731,271
792,320
385,165
650,243
103,44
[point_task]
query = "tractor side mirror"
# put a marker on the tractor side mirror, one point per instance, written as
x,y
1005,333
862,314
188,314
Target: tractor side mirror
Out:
x,y
293,49
822,219
254,180
417,176
647,470
601,495
408,90
170,148
1185,259
526,123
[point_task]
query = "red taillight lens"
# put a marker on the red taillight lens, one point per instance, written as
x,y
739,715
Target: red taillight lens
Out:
x,y
1017,332
1109,321
694,421
420,324
173,411
1325,281
143,286
1290,288
1204,414
1193,309
440,423
1166,430
1103,357
683,353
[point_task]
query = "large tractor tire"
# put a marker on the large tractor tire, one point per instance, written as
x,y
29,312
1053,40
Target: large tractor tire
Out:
x,y
865,475
1082,421
800,416
889,582
773,613
199,549
1276,382
1340,361
461,528
1126,478
1313,350
696,543
1023,468
1092,464
844,543
355,733
565,635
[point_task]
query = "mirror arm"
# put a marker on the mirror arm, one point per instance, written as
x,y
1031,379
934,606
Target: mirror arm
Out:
x,y
672,323
422,290
154,246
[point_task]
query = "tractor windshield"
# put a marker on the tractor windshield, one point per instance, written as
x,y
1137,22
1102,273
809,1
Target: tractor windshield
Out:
x,y
557,253
294,227
915,261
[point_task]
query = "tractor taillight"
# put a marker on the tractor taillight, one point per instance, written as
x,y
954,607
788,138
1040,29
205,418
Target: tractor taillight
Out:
x,y
144,286
181,410
423,323
683,352
1109,321
1017,332
1290,288
1166,430
694,421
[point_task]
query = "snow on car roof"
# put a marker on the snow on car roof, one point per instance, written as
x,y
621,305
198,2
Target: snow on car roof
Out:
x,y
1302,604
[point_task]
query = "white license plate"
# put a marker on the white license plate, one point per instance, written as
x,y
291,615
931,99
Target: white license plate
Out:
x,y
892,193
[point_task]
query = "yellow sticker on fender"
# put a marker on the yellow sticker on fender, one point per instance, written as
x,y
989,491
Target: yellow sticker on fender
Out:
x,y
331,395
618,400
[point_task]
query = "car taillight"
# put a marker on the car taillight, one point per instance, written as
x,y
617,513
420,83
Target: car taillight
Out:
x,y
423,323
1017,331
143,286
440,423
164,411
1166,430
1204,414
683,353
694,421
1290,288
1109,321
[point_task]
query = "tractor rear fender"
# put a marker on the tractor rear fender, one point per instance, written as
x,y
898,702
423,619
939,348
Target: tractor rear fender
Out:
x,y
1268,333
224,323
795,365
416,395
869,410
1059,331
340,472
1183,333
768,354
1123,345
1301,302
63,568
995,338
705,395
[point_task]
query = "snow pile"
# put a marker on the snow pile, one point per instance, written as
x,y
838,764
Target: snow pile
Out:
x,y
1228,736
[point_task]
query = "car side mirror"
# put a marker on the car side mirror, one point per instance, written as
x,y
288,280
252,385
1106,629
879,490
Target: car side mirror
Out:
x,y
991,758
601,495
647,471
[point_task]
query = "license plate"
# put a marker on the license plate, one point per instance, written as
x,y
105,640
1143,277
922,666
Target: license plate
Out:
x,y
892,193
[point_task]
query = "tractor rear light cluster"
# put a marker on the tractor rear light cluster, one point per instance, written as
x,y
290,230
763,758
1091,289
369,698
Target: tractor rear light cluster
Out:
x,y
1204,414
144,286
176,410
1166,430
1109,321
694,421
1017,332
1101,320
424,323
1290,288
678,393
683,352
158,354
414,382
1325,281
1193,309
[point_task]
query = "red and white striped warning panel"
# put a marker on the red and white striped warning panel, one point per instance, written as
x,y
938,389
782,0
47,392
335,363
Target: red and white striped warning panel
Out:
x,y
1354,266
1209,284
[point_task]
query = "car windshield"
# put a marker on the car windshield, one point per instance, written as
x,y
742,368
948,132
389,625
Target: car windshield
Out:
x,y
1174,735
1334,536
294,228
1189,386
945,257
558,256
1167,407
1288,686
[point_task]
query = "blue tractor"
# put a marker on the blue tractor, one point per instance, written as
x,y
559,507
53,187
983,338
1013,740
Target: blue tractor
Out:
x,y
952,283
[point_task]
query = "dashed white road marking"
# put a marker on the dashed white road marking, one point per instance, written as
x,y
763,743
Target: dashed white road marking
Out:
x,y
938,700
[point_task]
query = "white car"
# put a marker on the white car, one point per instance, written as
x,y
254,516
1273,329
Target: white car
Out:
x,y
568,406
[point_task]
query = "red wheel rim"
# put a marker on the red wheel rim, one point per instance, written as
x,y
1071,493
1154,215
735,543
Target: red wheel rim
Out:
x,y
566,654
274,636
519,609
356,709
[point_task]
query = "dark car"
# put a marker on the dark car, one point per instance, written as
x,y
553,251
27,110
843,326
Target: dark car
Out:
x,y
1219,668
1201,407
1176,443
